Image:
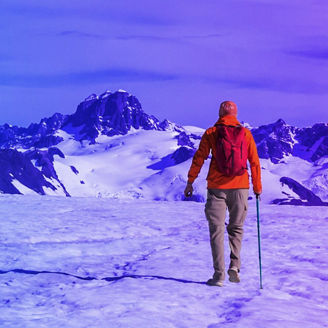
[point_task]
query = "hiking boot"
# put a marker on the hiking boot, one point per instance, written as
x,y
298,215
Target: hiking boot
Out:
x,y
214,282
233,274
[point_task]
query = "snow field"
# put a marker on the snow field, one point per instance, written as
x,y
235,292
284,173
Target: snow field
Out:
x,y
139,165
90,262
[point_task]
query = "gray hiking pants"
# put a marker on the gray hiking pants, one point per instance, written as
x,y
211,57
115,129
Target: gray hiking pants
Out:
x,y
218,200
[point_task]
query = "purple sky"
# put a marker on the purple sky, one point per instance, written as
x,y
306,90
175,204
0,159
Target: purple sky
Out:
x,y
179,58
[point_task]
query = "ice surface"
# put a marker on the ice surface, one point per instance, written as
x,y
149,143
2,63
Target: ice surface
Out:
x,y
96,262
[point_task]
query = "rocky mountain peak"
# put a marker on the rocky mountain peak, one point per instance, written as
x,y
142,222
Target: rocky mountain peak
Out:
x,y
110,114
275,140
280,122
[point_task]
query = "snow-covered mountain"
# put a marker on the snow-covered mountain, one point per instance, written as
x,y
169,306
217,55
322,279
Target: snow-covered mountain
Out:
x,y
111,148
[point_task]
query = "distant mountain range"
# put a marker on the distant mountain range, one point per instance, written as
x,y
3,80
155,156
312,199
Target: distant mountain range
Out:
x,y
111,148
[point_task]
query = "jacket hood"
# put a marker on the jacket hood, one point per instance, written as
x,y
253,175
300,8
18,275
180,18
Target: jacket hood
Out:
x,y
228,120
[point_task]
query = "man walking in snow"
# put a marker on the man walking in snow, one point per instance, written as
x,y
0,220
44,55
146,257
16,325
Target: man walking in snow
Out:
x,y
231,146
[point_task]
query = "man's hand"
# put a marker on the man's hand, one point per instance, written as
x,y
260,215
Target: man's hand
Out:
x,y
257,195
188,191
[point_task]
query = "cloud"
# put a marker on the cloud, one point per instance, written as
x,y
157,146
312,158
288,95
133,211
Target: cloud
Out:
x,y
283,85
161,38
80,34
146,19
205,36
22,9
132,37
105,11
321,54
84,77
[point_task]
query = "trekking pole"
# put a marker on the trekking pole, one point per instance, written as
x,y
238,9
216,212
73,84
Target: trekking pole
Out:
x,y
258,236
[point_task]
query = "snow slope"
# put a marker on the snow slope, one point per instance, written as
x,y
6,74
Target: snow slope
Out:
x,y
117,166
140,165
98,262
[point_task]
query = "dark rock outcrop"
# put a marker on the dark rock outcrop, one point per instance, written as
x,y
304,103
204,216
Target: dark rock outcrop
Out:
x,y
45,160
310,135
18,166
184,139
36,135
182,154
322,149
275,140
111,114
307,197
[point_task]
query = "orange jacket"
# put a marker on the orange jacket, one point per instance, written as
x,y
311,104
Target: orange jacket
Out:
x,y
215,179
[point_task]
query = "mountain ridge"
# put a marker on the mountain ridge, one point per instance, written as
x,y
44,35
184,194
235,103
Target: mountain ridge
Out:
x,y
99,119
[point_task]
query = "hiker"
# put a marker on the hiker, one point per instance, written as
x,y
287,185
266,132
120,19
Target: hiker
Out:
x,y
231,146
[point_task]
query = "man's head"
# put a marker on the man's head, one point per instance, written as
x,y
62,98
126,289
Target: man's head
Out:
x,y
228,108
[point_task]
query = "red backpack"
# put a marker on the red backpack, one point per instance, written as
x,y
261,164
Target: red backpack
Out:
x,y
231,150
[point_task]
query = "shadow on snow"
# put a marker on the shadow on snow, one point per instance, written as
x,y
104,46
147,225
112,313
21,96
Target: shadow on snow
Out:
x,y
135,276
